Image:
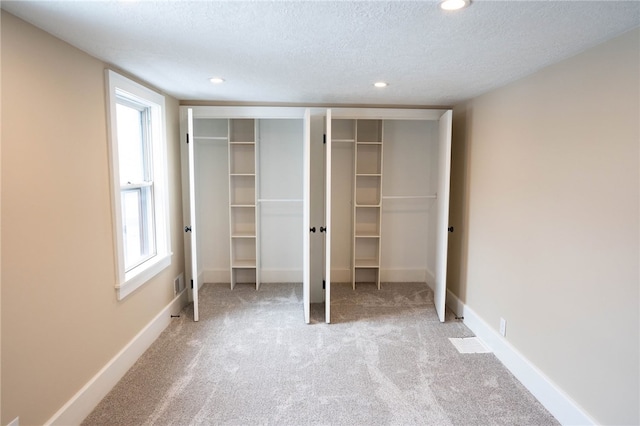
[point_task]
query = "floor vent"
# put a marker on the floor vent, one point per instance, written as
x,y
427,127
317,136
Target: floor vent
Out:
x,y
469,345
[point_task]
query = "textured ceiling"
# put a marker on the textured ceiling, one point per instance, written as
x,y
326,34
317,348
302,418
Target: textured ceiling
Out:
x,y
330,52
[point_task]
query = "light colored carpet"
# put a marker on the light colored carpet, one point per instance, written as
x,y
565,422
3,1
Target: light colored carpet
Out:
x,y
384,360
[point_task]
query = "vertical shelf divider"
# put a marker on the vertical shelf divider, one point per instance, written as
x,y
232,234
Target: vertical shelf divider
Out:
x,y
367,199
243,196
256,192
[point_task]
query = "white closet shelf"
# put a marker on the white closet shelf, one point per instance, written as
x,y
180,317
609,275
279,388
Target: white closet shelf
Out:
x,y
243,206
369,143
243,174
244,264
368,174
343,140
368,205
243,235
371,234
367,263
241,143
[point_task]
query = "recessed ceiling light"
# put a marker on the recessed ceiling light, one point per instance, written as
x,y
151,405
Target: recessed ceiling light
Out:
x,y
454,4
216,80
380,84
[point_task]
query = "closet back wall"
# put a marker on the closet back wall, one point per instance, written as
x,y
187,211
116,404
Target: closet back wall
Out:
x,y
409,224
212,201
279,186
280,181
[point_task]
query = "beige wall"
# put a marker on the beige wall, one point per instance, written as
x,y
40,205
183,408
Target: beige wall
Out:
x,y
549,218
61,322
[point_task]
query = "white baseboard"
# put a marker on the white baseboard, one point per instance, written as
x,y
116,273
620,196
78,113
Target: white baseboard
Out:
x,y
431,280
388,276
554,399
455,304
341,275
337,276
266,276
403,275
87,398
281,275
214,276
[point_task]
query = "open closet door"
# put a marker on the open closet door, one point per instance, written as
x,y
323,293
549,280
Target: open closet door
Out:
x,y
192,228
306,220
327,221
442,233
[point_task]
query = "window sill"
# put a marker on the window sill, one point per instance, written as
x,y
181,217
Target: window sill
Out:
x,y
141,274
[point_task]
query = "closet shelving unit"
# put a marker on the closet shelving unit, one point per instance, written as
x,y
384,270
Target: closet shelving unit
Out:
x,y
243,190
367,196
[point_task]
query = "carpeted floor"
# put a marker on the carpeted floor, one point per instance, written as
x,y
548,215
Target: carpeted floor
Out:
x,y
384,360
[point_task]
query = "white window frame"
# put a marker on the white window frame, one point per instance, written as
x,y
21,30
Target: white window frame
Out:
x,y
128,281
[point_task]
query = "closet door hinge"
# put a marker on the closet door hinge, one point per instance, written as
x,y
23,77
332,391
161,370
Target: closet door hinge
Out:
x,y
324,283
187,137
324,138
191,283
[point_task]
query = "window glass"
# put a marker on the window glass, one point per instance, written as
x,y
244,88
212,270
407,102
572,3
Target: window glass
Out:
x,y
130,143
132,221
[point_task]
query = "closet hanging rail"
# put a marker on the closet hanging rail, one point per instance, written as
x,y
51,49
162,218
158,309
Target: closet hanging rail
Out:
x,y
280,200
211,138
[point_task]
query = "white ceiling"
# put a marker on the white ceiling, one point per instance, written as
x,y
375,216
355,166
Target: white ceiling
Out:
x,y
330,52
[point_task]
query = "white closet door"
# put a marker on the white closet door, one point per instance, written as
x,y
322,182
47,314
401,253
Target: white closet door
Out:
x,y
306,220
327,221
192,212
442,233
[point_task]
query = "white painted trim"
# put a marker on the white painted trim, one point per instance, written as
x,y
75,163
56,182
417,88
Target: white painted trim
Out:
x,y
328,171
201,280
341,275
280,275
266,276
455,304
337,275
15,422
431,280
257,112
146,272
389,113
388,275
553,398
214,276
87,398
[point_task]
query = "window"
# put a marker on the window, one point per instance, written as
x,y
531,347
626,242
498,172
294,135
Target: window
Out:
x,y
139,176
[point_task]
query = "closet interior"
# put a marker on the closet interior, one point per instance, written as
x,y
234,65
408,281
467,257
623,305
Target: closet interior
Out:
x,y
385,197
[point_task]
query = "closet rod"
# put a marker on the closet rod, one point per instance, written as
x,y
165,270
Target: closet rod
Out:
x,y
280,200
211,138
401,197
